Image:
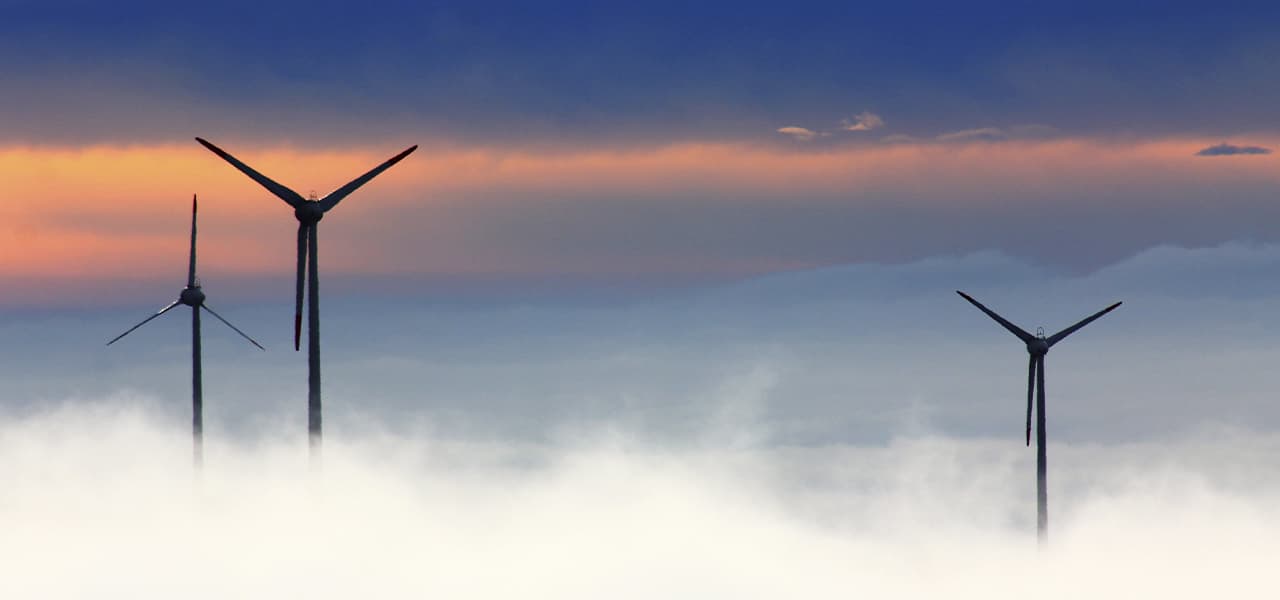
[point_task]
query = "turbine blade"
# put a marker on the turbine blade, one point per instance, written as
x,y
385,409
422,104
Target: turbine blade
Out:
x,y
1040,400
1031,390
1061,335
1014,329
337,195
144,321
191,270
233,327
289,196
303,233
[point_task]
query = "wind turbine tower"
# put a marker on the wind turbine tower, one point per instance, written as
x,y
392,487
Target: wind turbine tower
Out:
x,y
194,297
308,212
1037,347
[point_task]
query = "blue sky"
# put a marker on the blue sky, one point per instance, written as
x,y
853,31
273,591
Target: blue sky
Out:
x,y
653,142
554,73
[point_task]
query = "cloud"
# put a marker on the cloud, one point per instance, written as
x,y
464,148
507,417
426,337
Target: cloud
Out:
x,y
636,493
798,133
985,134
107,494
865,121
1225,149
899,138
824,356
1033,131
721,209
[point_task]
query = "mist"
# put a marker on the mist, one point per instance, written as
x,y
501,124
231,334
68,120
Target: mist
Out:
x,y
99,500
853,354
845,431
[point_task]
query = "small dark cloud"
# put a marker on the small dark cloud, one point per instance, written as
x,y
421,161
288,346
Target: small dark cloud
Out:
x,y
1225,149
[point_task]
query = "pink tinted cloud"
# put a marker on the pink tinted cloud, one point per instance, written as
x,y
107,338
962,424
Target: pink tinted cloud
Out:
x,y
704,208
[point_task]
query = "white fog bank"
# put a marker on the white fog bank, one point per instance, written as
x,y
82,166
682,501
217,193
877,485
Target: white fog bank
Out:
x,y
99,500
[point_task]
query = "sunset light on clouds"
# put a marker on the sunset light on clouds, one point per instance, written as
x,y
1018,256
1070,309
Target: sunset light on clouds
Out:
x,y
576,141
111,210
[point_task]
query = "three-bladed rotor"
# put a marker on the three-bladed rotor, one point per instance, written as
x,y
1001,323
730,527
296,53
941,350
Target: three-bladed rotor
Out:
x,y
1037,345
191,295
308,213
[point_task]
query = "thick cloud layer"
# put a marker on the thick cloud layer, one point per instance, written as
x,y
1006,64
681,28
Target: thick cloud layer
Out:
x,y
100,501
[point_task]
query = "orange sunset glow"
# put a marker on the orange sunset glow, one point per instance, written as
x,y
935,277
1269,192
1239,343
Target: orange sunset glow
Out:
x,y
102,211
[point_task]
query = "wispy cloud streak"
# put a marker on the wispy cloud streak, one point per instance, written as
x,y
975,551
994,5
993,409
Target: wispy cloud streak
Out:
x,y
798,133
864,121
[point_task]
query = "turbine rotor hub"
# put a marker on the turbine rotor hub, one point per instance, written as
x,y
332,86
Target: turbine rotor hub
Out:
x,y
309,212
191,296
1038,347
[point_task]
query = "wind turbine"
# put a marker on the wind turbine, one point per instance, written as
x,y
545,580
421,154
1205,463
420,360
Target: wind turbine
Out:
x,y
308,212
194,297
1037,346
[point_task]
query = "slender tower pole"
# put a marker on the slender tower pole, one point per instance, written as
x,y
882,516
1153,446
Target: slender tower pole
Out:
x,y
313,347
197,386
197,392
1042,463
192,296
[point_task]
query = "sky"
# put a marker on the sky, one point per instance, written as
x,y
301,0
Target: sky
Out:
x,y
665,289
652,143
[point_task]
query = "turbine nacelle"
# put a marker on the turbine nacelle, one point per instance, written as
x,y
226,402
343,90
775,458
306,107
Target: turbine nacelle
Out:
x,y
309,212
191,296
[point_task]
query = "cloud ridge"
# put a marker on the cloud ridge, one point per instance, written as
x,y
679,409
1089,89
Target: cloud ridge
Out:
x,y
1225,149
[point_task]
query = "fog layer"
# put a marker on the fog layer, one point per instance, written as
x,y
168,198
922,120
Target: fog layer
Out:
x,y
99,500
